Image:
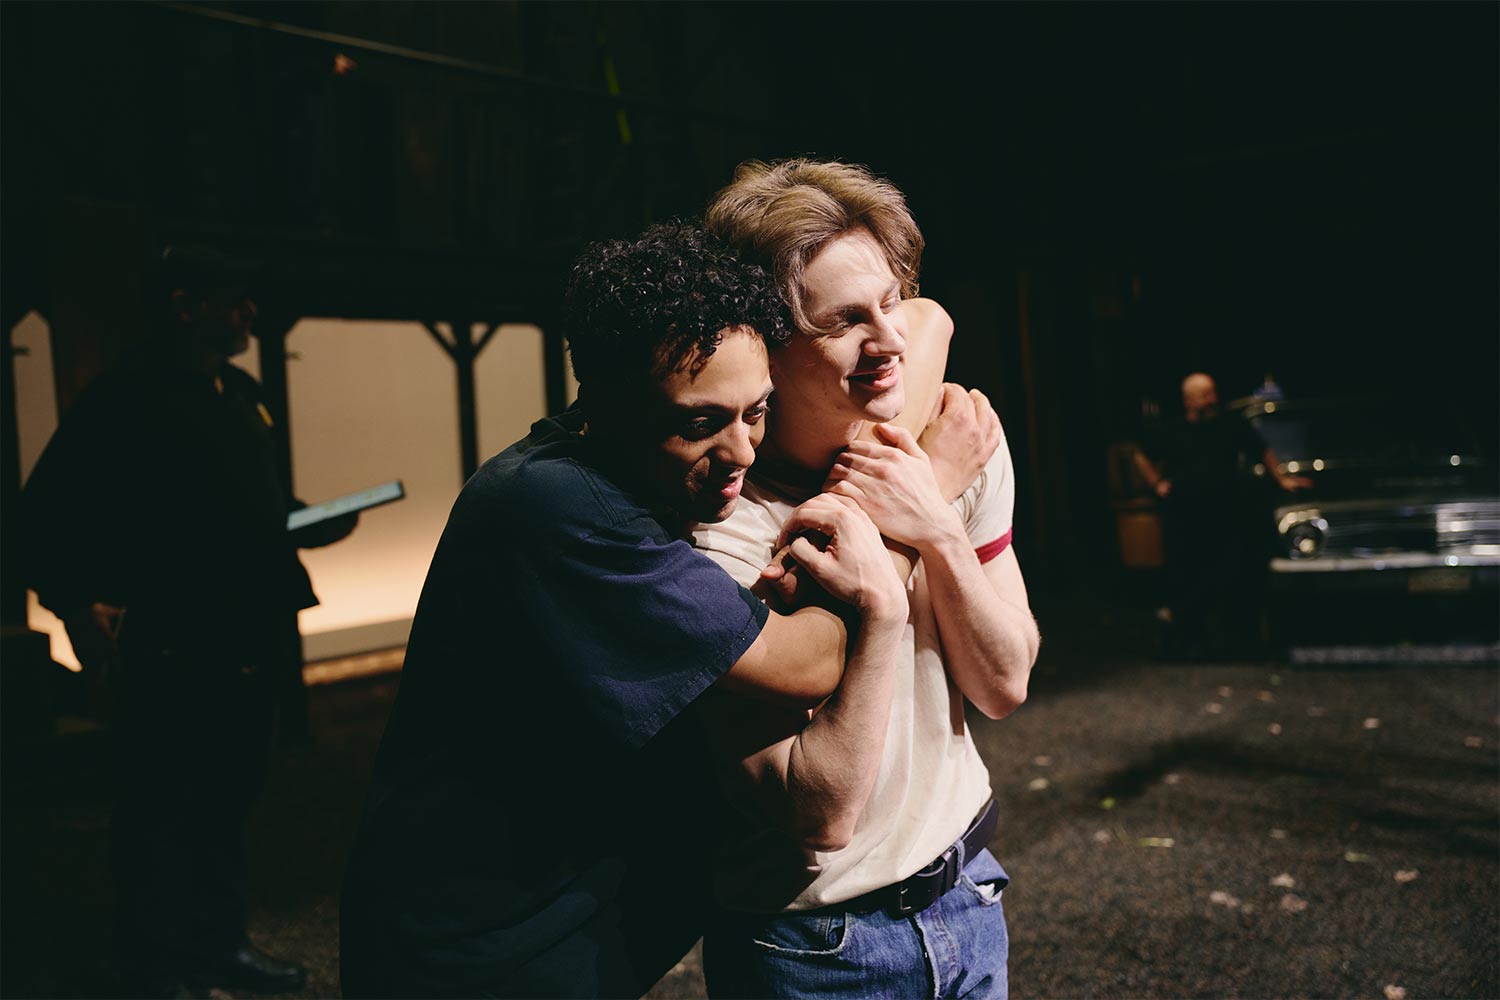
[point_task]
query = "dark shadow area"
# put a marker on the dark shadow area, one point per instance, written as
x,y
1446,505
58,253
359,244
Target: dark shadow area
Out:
x,y
1345,786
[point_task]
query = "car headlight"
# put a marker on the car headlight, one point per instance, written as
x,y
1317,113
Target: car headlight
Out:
x,y
1303,533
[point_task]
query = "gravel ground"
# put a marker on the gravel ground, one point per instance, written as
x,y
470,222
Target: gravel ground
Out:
x,y
1206,830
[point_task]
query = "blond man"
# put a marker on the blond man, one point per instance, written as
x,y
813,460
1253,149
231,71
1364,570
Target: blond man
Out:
x,y
862,867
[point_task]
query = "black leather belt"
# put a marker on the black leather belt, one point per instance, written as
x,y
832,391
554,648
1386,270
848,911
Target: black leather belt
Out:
x,y
918,892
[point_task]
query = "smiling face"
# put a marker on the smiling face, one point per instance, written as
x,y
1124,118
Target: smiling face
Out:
x,y
705,424
849,368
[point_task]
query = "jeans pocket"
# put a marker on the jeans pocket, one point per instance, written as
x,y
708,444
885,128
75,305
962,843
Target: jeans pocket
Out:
x,y
984,878
811,934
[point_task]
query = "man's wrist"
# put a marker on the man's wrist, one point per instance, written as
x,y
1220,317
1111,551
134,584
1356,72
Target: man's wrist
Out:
x,y
948,536
883,607
881,619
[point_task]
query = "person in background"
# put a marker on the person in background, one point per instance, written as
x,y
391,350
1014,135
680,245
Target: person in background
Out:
x,y
156,524
1212,506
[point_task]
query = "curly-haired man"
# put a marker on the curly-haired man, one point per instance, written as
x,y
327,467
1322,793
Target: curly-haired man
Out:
x,y
527,832
861,868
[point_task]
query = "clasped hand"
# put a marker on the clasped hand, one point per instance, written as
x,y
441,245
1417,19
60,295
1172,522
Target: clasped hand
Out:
x,y
836,544
893,483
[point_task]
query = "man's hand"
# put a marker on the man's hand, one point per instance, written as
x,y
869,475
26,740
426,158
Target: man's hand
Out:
x,y
852,565
321,533
961,437
894,484
92,631
787,585
1163,488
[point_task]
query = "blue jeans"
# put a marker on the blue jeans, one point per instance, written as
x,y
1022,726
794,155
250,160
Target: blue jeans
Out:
x,y
957,947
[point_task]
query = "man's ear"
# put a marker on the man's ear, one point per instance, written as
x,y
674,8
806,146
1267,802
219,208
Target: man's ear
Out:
x,y
590,400
611,409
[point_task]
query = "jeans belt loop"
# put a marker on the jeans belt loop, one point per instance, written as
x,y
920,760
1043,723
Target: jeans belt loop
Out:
x,y
952,865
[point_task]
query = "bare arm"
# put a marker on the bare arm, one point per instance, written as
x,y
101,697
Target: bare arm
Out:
x,y
796,661
929,332
990,639
1160,485
812,778
1285,480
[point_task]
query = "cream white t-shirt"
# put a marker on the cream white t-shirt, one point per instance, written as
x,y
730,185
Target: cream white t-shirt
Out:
x,y
931,780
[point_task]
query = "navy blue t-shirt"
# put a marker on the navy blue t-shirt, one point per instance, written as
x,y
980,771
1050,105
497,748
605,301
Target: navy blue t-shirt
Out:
x,y
538,771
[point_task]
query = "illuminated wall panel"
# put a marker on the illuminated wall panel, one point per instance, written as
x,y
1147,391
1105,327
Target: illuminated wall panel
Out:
x,y
369,402
36,419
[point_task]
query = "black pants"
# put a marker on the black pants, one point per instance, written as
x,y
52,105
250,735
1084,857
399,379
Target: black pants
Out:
x,y
1215,567
192,736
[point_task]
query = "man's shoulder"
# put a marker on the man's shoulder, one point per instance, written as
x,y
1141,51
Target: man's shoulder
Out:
x,y
929,318
242,384
545,479
114,401
998,470
987,506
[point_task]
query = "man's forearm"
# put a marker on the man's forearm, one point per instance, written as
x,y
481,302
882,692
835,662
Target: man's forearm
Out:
x,y
1147,469
830,766
989,643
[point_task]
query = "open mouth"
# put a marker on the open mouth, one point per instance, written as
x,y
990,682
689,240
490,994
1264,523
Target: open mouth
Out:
x,y
884,377
730,490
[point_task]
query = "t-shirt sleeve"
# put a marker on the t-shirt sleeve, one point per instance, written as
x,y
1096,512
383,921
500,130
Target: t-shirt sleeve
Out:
x,y
988,505
640,624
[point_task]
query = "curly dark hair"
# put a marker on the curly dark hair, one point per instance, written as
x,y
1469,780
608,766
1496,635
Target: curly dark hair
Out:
x,y
640,308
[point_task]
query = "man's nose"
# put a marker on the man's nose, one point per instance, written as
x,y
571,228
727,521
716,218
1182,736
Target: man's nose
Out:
x,y
737,446
888,335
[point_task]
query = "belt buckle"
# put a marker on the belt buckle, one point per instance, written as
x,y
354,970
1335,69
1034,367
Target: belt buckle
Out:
x,y
950,868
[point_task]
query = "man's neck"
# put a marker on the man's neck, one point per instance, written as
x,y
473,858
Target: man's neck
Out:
x,y
797,453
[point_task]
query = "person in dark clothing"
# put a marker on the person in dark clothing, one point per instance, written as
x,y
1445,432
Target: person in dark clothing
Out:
x,y
542,800
157,527
1212,514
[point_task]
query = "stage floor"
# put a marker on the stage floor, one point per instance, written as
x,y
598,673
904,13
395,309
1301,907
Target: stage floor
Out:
x,y
1172,830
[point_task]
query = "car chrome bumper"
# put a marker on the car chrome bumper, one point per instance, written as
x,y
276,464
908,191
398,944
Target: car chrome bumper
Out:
x,y
1396,560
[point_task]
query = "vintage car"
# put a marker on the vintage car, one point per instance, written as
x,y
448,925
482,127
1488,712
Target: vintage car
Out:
x,y
1398,537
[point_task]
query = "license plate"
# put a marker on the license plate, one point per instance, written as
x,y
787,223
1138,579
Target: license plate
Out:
x,y
1440,581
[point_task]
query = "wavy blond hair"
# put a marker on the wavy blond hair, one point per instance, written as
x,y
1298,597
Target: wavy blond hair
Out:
x,y
781,214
